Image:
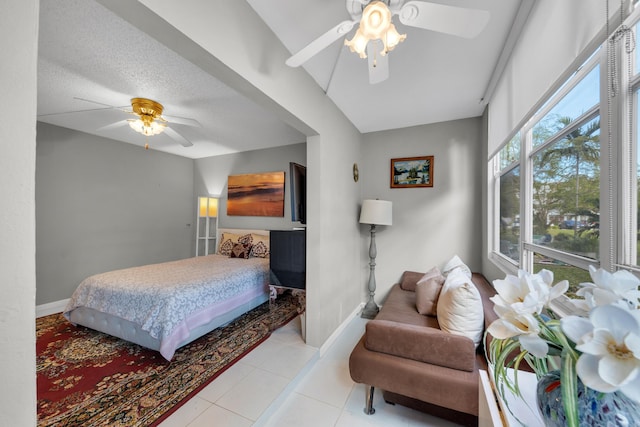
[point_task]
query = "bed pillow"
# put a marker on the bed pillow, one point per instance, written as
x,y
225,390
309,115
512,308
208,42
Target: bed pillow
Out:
x,y
260,248
246,239
427,292
240,250
227,240
456,263
459,307
225,247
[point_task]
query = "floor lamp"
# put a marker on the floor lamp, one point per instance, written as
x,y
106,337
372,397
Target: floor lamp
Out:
x,y
374,212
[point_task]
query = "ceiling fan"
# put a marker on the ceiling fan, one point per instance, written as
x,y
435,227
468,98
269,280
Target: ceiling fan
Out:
x,y
151,122
376,34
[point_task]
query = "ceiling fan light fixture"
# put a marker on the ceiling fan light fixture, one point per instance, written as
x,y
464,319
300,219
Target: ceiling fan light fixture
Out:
x,y
376,18
375,24
358,44
147,129
392,39
149,111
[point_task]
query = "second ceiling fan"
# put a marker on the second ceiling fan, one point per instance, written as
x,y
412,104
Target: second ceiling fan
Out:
x,y
376,34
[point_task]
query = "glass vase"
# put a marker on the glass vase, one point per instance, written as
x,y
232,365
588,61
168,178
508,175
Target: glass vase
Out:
x,y
594,408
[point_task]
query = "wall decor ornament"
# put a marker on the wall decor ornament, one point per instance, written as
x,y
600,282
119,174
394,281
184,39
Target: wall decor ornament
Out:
x,y
411,172
256,194
356,172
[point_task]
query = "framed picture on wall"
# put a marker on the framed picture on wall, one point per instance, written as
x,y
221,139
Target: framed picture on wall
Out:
x,y
256,194
410,172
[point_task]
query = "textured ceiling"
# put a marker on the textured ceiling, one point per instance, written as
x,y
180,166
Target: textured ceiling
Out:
x,y
86,53
91,60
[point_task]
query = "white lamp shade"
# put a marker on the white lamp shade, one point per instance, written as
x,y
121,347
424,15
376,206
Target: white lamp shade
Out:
x,y
378,212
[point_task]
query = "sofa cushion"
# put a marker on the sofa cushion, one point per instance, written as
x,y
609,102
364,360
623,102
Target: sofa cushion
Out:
x,y
427,292
429,345
400,306
460,309
451,388
409,280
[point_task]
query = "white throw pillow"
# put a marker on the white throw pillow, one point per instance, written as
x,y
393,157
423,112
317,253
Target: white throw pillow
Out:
x,y
456,263
459,307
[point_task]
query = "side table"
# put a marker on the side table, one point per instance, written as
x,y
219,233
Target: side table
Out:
x,y
493,410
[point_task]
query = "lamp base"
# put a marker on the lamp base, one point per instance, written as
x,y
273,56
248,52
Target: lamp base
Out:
x,y
370,310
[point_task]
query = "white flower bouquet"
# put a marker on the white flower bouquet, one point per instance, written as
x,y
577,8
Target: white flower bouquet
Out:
x,y
602,350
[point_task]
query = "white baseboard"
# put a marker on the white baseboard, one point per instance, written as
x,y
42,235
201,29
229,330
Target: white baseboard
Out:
x,y
327,344
51,308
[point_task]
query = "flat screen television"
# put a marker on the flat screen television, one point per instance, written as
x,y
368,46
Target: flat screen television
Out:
x,y
298,184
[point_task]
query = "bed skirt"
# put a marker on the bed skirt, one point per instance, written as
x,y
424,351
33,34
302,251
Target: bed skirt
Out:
x,y
132,332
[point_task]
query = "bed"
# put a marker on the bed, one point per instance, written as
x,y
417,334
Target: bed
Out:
x,y
166,306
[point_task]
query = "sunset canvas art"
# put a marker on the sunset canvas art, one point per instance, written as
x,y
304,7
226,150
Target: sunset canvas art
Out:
x,y
256,194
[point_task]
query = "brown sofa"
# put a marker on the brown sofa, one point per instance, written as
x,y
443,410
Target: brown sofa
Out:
x,y
406,354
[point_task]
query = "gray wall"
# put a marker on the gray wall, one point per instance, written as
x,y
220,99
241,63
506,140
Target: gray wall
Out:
x,y
430,225
252,61
103,205
210,179
18,85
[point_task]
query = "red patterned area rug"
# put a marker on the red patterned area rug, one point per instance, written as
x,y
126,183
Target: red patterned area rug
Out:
x,y
87,378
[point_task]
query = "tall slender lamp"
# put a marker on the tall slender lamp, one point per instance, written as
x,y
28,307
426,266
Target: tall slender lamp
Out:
x,y
374,212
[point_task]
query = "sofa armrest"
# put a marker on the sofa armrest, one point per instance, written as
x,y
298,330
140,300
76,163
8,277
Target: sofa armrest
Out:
x,y
409,280
424,344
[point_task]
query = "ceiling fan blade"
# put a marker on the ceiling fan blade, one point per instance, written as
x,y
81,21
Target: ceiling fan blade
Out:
x,y
93,102
177,137
74,112
115,125
103,108
182,121
107,106
320,43
457,21
378,63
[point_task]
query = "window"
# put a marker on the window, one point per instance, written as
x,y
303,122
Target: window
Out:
x,y
583,96
510,200
510,153
559,205
548,192
566,191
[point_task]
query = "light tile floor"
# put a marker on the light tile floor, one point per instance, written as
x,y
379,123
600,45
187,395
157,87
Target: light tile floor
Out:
x,y
284,382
